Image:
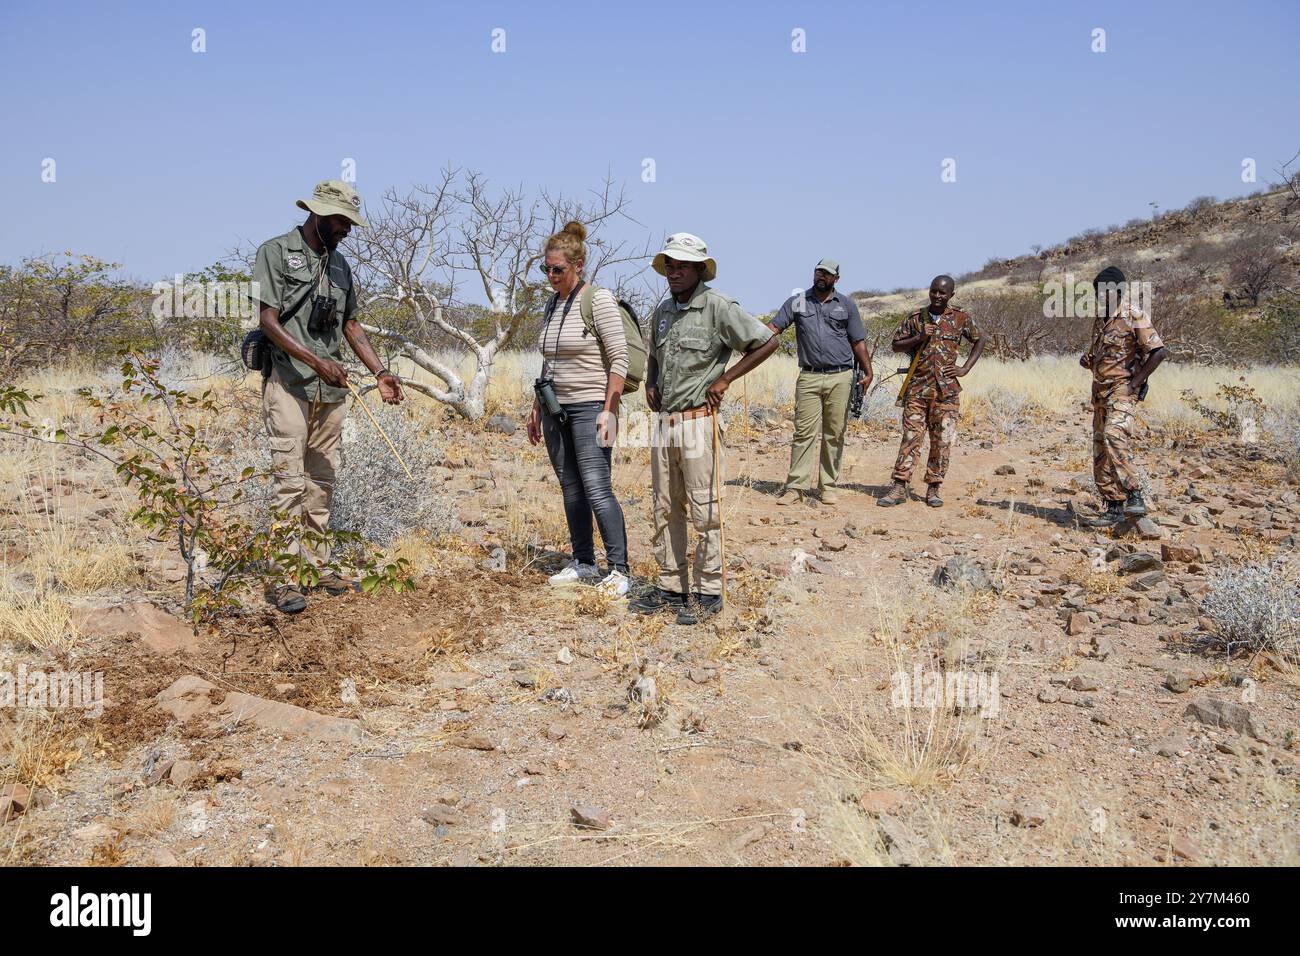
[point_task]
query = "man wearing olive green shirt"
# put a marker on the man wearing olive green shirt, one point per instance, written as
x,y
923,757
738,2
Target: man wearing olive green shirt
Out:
x,y
308,307
692,337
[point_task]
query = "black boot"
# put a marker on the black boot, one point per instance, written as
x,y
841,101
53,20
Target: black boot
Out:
x,y
701,607
1113,514
656,600
1135,507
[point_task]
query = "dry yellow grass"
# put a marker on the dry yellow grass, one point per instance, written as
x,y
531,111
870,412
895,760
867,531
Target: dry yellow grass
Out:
x,y
62,556
42,621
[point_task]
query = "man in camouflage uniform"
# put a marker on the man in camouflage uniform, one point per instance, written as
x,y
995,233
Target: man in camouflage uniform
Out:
x,y
1125,350
693,336
931,397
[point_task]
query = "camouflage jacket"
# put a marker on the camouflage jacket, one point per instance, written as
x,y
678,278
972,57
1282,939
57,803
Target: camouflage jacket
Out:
x,y
1119,344
940,351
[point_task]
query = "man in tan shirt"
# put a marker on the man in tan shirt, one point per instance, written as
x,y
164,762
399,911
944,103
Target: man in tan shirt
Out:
x,y
694,333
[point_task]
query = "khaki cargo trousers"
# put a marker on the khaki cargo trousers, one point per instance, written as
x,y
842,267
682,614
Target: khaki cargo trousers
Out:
x,y
306,440
683,481
821,405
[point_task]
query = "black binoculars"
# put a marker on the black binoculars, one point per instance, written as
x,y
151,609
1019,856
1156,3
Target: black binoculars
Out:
x,y
545,389
321,319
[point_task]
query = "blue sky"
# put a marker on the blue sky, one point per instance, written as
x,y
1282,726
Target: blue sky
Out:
x,y
166,158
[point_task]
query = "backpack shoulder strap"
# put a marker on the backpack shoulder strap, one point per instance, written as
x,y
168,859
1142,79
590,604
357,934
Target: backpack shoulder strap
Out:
x,y
587,307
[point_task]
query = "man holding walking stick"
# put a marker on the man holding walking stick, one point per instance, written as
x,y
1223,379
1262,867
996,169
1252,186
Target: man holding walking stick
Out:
x,y
693,334
308,308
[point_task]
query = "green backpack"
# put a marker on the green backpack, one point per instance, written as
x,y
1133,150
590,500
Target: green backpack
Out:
x,y
631,331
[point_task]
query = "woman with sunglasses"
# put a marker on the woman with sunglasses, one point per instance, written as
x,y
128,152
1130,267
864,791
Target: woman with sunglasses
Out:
x,y
580,434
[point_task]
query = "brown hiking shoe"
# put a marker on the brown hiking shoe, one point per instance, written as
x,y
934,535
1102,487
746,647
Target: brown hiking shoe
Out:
x,y
289,600
790,496
897,495
932,497
829,495
334,584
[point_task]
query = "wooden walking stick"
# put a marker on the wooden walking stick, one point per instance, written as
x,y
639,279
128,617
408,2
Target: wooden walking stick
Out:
x,y
717,477
380,428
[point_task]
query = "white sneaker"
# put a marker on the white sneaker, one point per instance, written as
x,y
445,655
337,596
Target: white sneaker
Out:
x,y
574,574
615,584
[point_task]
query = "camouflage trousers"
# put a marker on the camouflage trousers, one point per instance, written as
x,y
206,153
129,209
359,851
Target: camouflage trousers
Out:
x,y
926,411
1113,468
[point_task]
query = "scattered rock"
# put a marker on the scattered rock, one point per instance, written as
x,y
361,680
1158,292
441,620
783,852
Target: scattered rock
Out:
x,y
556,732
1078,623
959,571
1102,647
473,742
589,817
1173,746
564,656
1147,529
876,802
161,770
1214,712
1049,695
440,816
192,696
1028,814
14,800
161,632
93,833
1178,552
1178,682
1183,848
182,773
1139,561
1148,581
1004,470
501,424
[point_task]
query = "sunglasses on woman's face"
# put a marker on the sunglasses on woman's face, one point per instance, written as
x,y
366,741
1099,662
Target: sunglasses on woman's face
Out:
x,y
552,270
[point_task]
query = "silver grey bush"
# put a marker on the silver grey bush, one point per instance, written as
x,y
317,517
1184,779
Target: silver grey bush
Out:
x,y
373,496
1256,604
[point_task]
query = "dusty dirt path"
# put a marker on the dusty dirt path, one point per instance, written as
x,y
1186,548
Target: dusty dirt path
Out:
x,y
476,741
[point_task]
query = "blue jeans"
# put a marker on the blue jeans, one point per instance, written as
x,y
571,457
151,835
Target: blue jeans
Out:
x,y
583,468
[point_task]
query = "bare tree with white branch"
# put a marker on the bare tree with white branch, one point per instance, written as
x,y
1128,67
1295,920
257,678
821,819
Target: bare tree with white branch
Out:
x,y
422,248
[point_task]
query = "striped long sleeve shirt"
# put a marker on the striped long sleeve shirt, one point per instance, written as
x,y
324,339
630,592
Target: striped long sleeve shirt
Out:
x,y
572,358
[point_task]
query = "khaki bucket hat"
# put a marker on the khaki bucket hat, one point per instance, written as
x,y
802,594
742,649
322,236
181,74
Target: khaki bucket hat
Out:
x,y
334,197
685,247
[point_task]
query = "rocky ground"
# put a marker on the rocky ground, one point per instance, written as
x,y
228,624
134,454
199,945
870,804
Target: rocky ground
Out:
x,y
487,719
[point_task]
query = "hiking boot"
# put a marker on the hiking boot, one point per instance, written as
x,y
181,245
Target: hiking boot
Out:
x,y
897,495
289,600
1135,507
699,608
656,600
575,573
790,496
335,584
829,495
932,496
614,584
1113,514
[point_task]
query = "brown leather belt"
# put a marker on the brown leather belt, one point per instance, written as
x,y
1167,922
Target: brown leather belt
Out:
x,y
702,412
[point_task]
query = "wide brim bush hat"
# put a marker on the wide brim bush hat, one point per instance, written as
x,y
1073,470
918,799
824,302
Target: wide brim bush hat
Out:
x,y
685,247
334,197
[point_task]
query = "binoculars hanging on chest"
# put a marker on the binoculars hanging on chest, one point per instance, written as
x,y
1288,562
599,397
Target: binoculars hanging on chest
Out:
x,y
324,314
